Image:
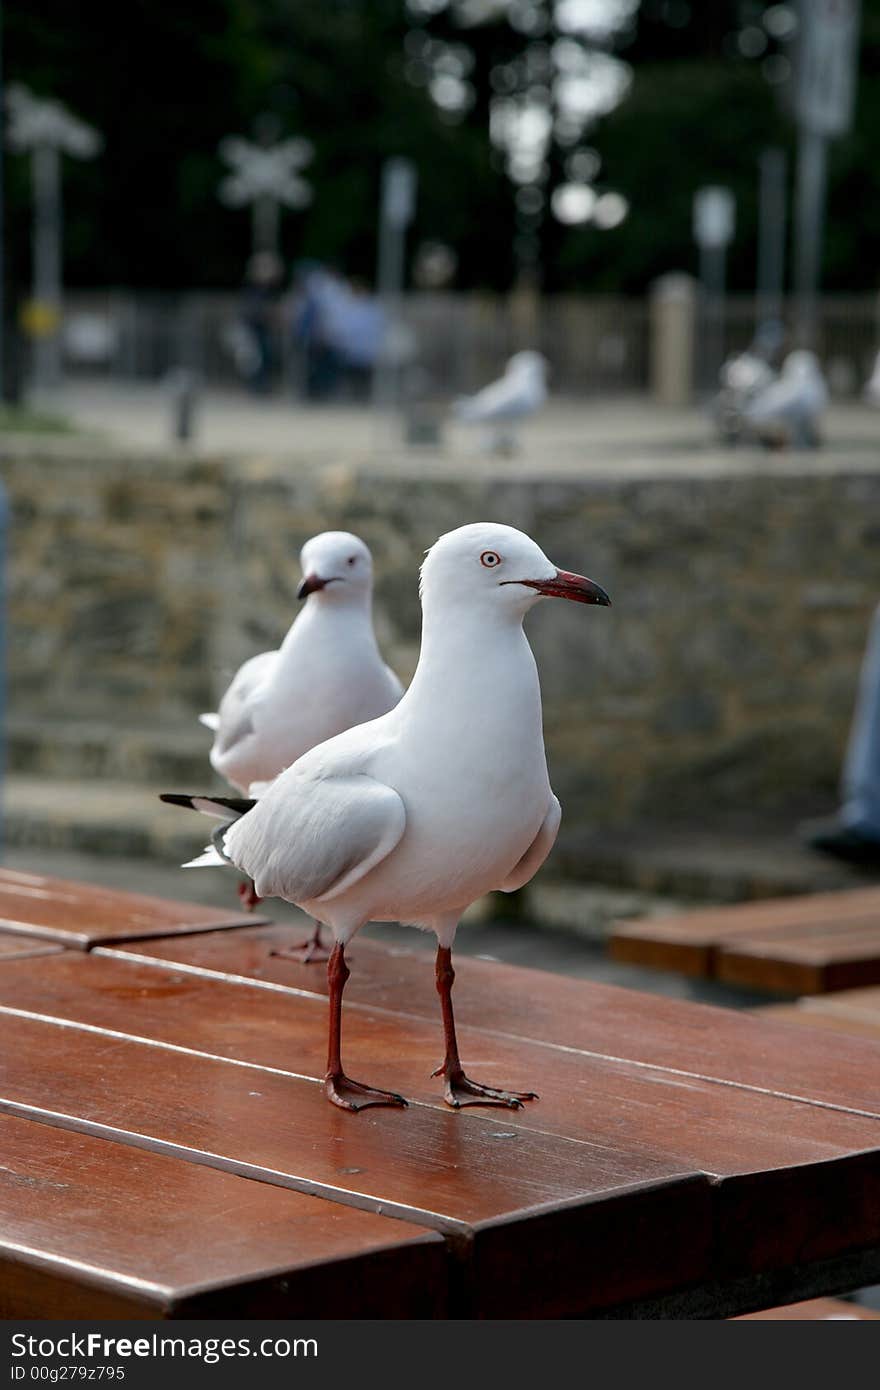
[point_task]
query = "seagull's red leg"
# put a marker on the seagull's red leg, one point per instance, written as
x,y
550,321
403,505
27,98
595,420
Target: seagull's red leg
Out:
x,y
249,896
458,1089
308,952
340,1089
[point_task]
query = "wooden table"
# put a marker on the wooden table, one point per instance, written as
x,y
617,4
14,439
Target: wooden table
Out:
x,y
799,945
166,1149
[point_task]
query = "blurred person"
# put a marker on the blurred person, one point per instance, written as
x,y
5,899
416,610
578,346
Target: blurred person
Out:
x,y
260,318
318,292
359,336
853,832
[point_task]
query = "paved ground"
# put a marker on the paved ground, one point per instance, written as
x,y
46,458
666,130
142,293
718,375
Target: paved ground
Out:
x,y
590,436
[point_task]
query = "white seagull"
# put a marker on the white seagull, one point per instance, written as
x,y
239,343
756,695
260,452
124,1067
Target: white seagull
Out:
x,y
415,815
788,410
519,392
327,675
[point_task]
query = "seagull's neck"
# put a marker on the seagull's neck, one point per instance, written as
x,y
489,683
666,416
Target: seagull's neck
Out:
x,y
346,617
472,663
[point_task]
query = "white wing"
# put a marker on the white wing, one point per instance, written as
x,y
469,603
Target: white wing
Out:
x,y
537,851
394,681
504,398
239,705
311,837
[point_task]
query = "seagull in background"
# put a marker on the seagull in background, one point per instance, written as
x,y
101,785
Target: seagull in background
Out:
x,y
787,412
871,390
415,815
327,675
743,378
518,393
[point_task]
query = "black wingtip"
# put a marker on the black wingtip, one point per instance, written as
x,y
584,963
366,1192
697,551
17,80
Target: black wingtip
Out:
x,y
239,804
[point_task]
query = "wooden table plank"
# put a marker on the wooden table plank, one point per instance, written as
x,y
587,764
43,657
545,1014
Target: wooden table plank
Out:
x,y
795,945
779,1167
14,945
814,1310
91,1228
604,1020
82,914
596,1220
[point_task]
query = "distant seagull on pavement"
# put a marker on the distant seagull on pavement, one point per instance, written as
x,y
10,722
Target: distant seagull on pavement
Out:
x,y
871,391
788,411
415,815
518,393
327,676
743,378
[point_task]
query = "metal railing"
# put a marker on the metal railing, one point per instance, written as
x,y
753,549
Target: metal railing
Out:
x,y
596,345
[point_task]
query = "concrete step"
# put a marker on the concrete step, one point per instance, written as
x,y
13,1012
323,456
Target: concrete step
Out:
x,y
116,821
98,817
706,863
174,754
587,885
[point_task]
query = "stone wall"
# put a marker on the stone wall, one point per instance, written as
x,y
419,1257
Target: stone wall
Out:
x,y
721,680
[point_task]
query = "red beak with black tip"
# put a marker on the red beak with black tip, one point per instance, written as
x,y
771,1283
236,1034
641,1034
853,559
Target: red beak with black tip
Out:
x,y
311,585
574,586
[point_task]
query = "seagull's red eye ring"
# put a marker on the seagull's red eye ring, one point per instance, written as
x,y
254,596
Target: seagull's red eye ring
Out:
x,y
490,559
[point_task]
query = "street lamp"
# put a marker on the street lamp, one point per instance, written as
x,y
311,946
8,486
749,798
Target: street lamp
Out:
x,y
714,221
45,129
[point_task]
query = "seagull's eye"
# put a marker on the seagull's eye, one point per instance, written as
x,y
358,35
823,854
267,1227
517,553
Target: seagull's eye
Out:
x,y
490,559
351,559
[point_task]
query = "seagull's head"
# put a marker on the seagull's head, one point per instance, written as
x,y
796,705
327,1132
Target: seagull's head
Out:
x,y
527,364
336,566
802,366
500,570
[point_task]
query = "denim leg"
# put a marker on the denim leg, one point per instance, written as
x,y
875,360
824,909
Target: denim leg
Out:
x,y
861,769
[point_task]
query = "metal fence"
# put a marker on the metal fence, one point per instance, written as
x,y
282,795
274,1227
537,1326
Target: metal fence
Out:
x,y
596,345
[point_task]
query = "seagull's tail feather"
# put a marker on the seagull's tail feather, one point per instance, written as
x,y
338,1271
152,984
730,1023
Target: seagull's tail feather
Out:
x,y
217,806
226,809
210,721
211,858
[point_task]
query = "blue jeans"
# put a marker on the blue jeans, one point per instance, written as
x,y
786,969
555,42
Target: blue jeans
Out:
x,y
861,770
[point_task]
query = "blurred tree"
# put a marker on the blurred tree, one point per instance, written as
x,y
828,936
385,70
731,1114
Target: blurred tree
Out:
x,y
364,79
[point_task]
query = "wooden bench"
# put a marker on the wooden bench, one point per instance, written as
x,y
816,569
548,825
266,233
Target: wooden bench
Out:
x,y
682,1161
814,1310
801,945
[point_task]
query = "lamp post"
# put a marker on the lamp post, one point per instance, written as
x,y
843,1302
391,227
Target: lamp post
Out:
x,y
266,177
396,210
714,221
45,129
771,236
827,48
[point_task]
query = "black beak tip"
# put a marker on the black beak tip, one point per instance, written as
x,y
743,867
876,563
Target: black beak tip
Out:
x,y
310,585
